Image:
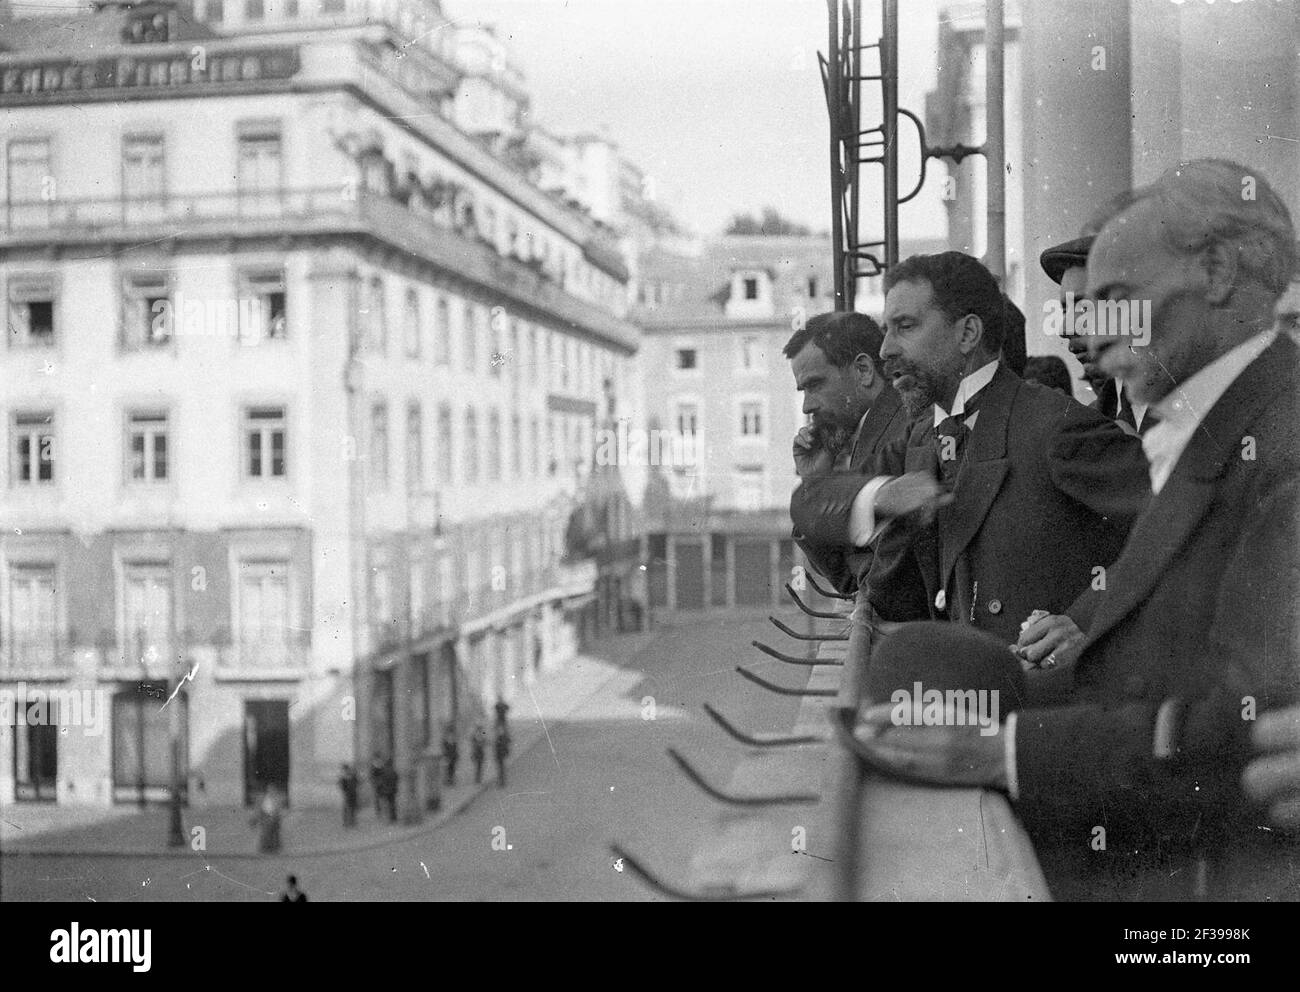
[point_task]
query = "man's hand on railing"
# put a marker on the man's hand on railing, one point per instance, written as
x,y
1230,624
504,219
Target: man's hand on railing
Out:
x,y
949,754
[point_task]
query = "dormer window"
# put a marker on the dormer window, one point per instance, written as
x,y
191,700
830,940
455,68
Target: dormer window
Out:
x,y
148,24
751,293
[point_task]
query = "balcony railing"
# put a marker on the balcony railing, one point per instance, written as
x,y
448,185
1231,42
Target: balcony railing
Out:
x,y
145,651
287,212
449,613
88,215
35,651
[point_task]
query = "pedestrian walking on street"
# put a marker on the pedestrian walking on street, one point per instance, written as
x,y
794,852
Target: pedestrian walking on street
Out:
x,y
502,753
388,782
348,785
376,776
502,709
450,752
267,821
291,892
478,751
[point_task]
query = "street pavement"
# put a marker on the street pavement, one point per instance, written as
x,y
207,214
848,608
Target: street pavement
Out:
x,y
598,774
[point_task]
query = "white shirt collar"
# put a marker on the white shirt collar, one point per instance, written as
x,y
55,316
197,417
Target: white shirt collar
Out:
x,y
1181,412
966,391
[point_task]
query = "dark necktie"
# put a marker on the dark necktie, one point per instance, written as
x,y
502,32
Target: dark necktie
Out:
x,y
1126,418
950,444
950,437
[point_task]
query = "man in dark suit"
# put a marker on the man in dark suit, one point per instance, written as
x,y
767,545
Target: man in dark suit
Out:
x,y
1041,491
1135,789
1065,264
835,359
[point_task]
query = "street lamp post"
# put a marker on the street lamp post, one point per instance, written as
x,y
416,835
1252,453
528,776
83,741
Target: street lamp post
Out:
x,y
176,828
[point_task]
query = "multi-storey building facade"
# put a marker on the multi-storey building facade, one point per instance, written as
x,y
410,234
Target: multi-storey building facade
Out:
x,y
299,400
715,320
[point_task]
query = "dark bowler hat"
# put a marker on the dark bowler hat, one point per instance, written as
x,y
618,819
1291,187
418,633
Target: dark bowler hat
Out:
x,y
1067,255
945,656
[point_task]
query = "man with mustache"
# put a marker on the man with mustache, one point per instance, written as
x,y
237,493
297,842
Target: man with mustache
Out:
x,y
1035,492
835,358
1141,787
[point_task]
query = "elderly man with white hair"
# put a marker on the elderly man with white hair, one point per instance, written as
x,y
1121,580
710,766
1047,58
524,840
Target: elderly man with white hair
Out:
x,y
1189,664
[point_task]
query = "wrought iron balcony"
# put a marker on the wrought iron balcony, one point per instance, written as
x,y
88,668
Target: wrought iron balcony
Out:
x,y
284,212
35,652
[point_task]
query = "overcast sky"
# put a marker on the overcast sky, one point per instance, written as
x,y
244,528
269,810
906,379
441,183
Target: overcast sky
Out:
x,y
719,101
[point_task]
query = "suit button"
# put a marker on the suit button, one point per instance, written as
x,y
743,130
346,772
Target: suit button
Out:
x,y
995,606
941,600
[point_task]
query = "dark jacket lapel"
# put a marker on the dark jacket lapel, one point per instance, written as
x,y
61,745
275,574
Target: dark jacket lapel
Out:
x,y
1172,516
876,425
984,467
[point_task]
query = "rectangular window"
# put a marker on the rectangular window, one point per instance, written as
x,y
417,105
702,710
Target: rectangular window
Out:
x,y
751,419
376,326
471,338
414,449
31,311
497,356
148,319
33,449
535,436
333,6
688,418
686,359
33,615
146,447
751,483
379,446
254,10
446,453
516,446
471,447
494,446
143,176
263,307
411,324
751,354
751,288
265,443
31,186
442,332
216,11
263,610
147,613
260,169
812,287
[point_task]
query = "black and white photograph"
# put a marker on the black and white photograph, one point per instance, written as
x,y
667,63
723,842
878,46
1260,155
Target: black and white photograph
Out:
x,y
623,451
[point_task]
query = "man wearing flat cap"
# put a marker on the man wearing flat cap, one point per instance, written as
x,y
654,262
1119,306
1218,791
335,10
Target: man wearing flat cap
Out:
x,y
1066,265
1135,789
